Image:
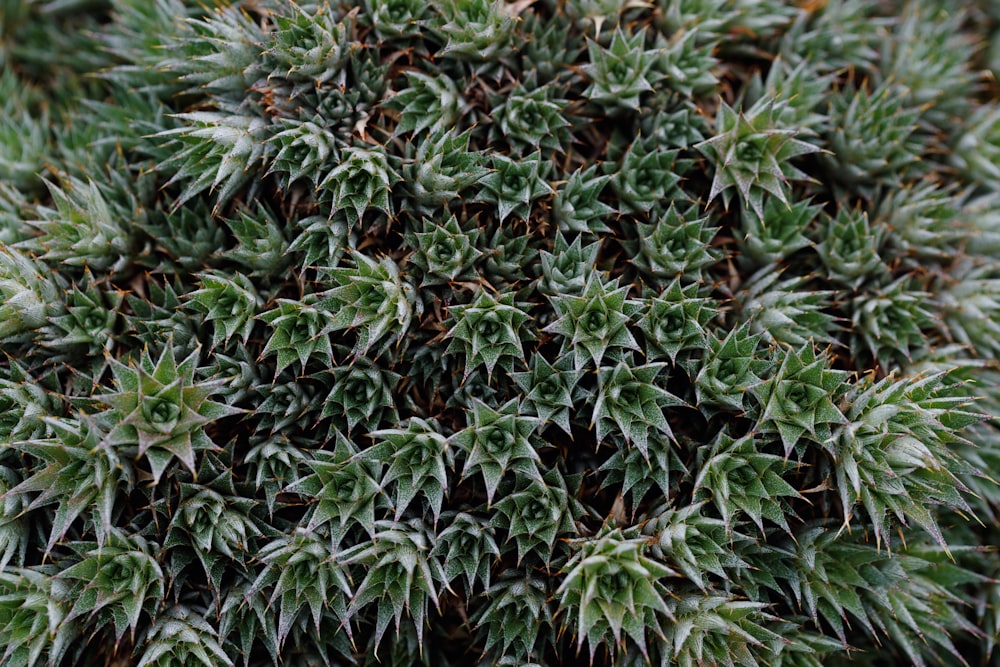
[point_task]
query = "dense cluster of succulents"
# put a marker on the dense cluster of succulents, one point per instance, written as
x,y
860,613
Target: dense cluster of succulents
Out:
x,y
489,332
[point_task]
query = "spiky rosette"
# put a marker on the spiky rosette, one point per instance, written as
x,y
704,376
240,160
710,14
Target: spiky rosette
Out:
x,y
850,248
298,333
305,149
214,523
551,391
801,399
730,369
229,302
751,154
117,581
530,118
33,614
312,46
535,513
872,135
497,442
892,320
576,205
778,233
343,488
621,73
921,220
419,458
234,145
89,325
645,178
428,103
797,92
362,393
895,445
675,321
396,19
262,245
402,574
22,135
182,634
302,579
843,35
971,308
737,477
674,246
977,150
478,32
517,620
161,409
24,405
29,297
77,457
441,170
445,252
639,471
609,586
566,269
372,300
630,402
469,548
360,182
513,185
784,311
594,322
83,229
489,331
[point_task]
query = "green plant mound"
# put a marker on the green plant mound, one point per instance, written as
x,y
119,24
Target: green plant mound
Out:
x,y
473,332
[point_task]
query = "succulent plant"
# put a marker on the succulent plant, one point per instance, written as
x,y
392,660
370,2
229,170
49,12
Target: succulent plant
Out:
x,y
477,32
427,103
513,185
419,459
731,369
234,144
469,548
161,410
863,120
611,586
630,402
499,332
530,119
801,398
299,332
81,230
644,178
551,392
360,182
498,441
371,299
533,520
751,154
595,321
675,321
29,297
441,169
362,393
402,576
576,205
115,580
489,331
621,73
675,245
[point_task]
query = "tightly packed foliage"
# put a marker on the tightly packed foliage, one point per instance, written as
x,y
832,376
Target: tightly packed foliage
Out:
x,y
481,332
